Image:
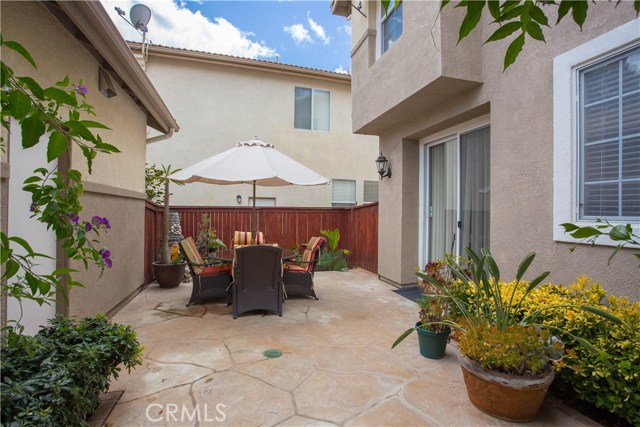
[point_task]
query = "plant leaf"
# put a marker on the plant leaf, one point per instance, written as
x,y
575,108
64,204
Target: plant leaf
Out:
x,y
33,86
32,129
471,19
60,96
58,143
403,336
27,247
20,104
513,51
538,15
21,50
620,232
568,227
534,30
504,31
524,266
585,232
602,313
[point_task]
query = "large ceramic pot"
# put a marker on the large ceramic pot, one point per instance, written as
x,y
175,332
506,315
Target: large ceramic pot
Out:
x,y
169,275
508,397
432,344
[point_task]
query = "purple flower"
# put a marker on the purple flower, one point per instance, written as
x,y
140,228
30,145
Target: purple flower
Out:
x,y
87,226
98,221
105,254
74,218
33,207
81,89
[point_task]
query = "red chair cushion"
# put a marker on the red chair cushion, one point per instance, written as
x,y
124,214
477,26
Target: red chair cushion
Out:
x,y
216,269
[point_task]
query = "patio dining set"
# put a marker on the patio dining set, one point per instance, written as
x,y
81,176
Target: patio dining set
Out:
x,y
252,275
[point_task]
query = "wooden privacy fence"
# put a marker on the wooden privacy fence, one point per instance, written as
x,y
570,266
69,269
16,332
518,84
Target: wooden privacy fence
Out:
x,y
283,225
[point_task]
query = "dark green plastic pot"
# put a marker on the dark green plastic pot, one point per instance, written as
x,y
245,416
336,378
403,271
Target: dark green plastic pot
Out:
x,y
432,344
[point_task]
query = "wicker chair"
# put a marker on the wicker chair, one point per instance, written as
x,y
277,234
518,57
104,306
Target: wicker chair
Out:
x,y
209,280
257,283
298,276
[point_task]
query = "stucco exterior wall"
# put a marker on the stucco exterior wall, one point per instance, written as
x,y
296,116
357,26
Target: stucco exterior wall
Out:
x,y
220,105
519,104
57,54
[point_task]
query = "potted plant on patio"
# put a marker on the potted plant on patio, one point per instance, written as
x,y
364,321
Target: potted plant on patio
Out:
x,y
505,355
207,241
168,274
435,307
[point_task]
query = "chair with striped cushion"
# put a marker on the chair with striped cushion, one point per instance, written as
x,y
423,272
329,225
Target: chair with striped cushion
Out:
x,y
241,238
298,276
209,280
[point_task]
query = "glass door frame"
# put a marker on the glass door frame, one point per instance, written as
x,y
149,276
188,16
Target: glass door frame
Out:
x,y
425,145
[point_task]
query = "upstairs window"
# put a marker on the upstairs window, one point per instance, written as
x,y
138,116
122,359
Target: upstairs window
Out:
x,y
391,24
312,109
609,138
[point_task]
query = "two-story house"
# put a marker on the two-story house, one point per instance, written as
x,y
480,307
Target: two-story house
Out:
x,y
220,100
486,158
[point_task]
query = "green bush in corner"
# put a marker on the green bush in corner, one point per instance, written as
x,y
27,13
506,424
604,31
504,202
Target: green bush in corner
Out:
x,y
54,378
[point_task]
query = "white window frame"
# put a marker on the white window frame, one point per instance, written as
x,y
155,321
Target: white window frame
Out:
x,y
566,69
383,16
313,91
355,192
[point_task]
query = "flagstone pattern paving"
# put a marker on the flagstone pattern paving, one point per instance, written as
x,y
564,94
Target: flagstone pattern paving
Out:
x,y
203,368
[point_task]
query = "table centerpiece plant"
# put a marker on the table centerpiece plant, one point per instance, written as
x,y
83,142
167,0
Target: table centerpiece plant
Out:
x,y
506,356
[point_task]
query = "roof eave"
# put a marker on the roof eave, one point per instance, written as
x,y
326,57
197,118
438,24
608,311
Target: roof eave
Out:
x,y
92,20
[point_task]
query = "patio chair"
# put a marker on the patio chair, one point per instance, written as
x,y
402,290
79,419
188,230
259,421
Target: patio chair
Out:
x,y
209,280
298,276
257,283
246,238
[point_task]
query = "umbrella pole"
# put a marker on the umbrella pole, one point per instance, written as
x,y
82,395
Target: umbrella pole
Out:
x,y
254,224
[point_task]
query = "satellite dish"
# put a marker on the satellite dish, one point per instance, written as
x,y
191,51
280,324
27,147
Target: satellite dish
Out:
x,y
140,16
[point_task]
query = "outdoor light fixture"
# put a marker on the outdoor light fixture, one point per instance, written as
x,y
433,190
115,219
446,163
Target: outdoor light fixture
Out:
x,y
382,164
105,84
239,199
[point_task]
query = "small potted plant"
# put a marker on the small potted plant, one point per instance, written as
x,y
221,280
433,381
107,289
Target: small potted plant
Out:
x,y
168,274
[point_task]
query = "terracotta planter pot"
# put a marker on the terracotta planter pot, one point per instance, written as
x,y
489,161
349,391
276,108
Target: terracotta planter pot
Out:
x,y
169,275
508,397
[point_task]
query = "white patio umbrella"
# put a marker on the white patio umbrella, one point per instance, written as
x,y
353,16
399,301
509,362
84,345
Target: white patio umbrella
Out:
x,y
250,162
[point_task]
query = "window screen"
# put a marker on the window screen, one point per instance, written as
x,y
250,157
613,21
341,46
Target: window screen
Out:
x,y
343,192
391,26
370,191
610,138
312,109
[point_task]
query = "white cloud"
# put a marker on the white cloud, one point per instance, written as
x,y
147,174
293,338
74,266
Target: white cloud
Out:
x,y
299,33
318,29
341,70
176,26
346,29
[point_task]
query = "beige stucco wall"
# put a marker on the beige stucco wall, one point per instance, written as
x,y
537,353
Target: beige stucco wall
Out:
x,y
219,105
57,54
519,107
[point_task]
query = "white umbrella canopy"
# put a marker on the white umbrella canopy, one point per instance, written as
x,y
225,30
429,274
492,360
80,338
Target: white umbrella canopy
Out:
x,y
250,162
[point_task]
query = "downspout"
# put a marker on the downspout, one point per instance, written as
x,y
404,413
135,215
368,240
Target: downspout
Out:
x,y
161,137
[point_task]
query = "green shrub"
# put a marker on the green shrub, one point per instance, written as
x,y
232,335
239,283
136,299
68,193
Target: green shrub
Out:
x,y
331,261
54,378
608,382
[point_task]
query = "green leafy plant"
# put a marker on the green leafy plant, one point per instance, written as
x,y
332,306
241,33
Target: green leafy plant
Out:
x,y
332,258
54,377
526,18
489,308
58,111
621,233
206,239
154,184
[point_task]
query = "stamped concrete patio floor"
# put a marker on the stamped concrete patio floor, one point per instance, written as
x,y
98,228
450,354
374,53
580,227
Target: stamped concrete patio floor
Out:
x,y
203,368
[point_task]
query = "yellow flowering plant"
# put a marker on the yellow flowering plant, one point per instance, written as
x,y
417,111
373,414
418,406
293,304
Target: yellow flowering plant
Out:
x,y
488,307
176,257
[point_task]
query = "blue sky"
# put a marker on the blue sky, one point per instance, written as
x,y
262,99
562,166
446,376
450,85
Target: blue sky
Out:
x,y
299,32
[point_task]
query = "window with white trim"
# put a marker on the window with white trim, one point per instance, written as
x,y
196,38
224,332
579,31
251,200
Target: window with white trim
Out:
x,y
390,24
609,138
343,193
370,193
312,109
596,131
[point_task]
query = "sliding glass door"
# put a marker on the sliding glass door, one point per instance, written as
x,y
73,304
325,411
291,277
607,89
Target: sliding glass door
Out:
x,y
457,194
